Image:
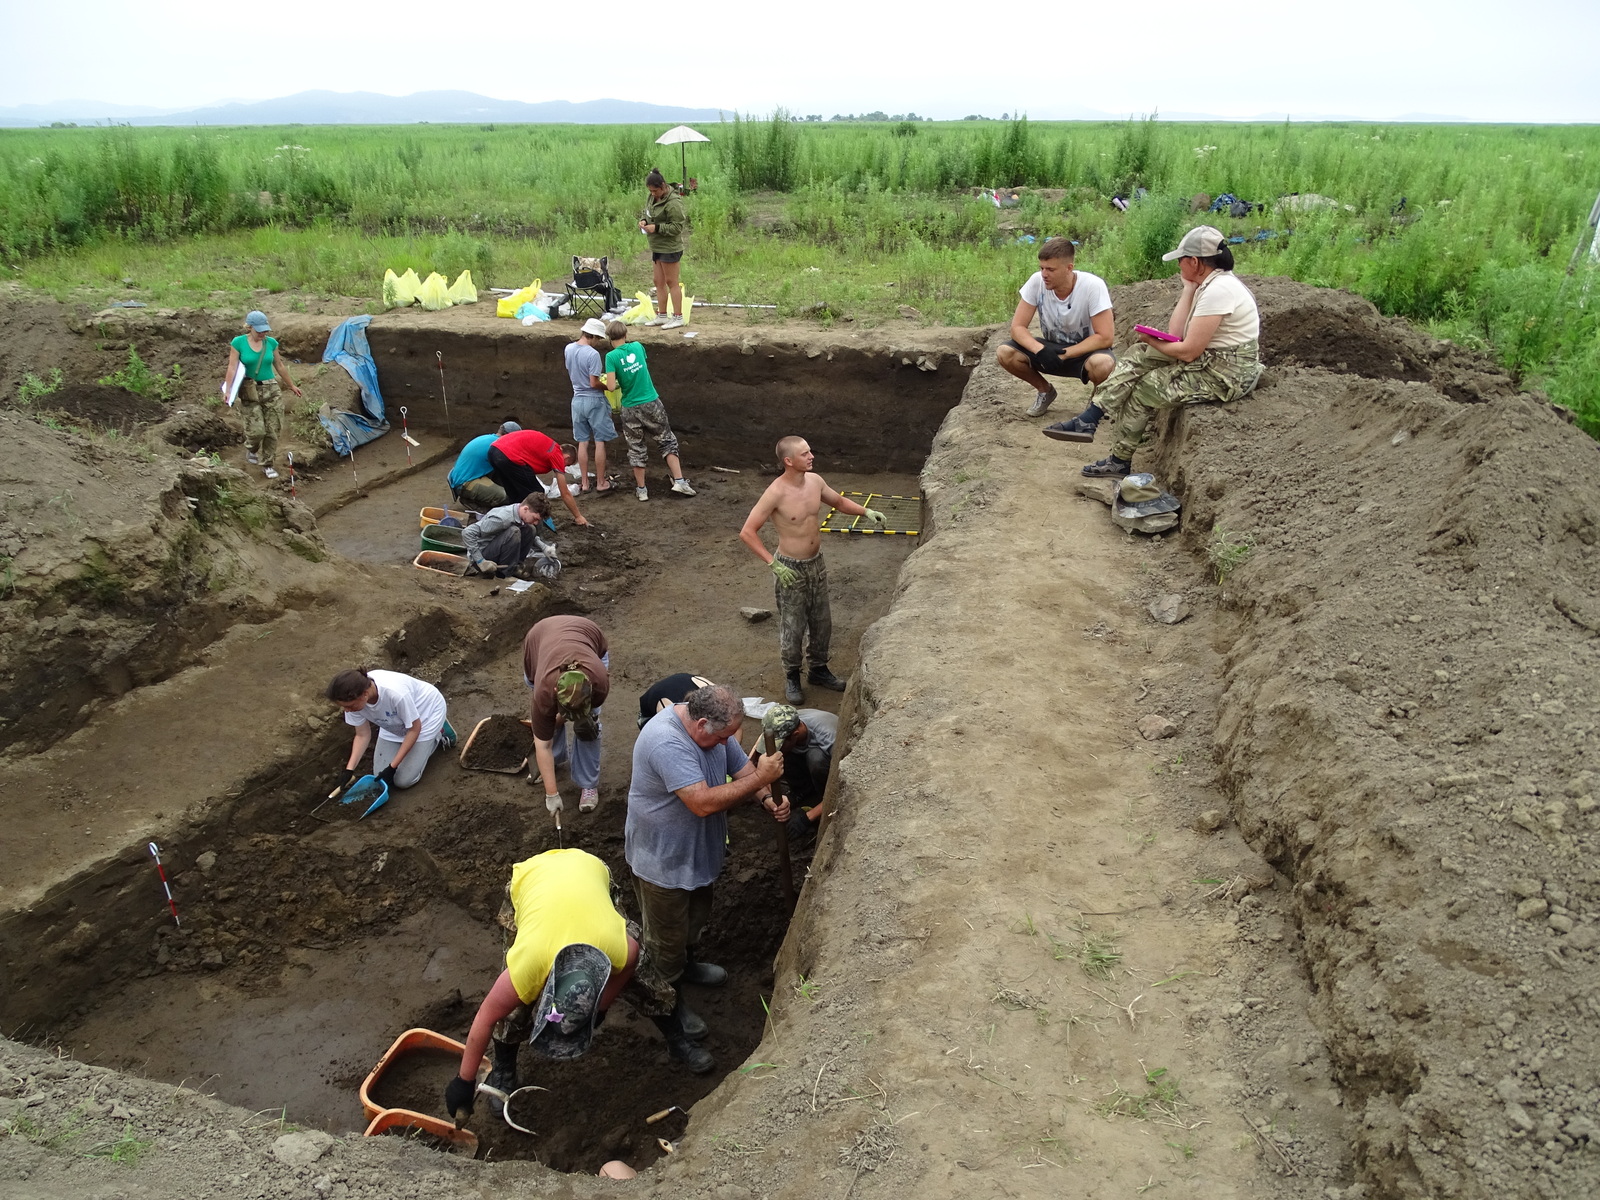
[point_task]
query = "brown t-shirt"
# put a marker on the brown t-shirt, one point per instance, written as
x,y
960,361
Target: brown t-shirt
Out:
x,y
552,646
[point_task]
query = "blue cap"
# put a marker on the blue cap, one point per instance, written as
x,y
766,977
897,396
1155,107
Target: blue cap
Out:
x,y
257,320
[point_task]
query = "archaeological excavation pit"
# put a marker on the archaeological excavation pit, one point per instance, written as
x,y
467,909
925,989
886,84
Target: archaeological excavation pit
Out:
x,y
310,938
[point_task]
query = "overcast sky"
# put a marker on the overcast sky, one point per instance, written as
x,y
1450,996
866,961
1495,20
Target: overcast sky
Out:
x,y
1535,60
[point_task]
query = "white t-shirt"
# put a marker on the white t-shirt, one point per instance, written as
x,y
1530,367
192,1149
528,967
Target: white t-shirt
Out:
x,y
1223,293
401,700
1069,320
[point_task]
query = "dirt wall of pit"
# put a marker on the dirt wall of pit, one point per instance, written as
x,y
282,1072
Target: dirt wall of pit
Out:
x,y
1408,734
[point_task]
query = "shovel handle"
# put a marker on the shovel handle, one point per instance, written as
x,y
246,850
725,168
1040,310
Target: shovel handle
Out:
x,y
780,789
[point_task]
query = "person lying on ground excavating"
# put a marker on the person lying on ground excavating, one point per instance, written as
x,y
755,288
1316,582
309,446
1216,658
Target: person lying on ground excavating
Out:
x,y
1216,355
1076,327
505,539
688,771
526,460
569,956
472,482
409,715
805,737
642,411
566,664
793,502
591,415
260,397
664,693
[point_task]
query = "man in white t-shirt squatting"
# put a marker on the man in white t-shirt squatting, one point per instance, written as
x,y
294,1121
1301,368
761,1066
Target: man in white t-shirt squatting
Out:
x,y
1075,325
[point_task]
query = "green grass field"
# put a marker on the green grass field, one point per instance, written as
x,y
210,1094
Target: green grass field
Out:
x,y
821,213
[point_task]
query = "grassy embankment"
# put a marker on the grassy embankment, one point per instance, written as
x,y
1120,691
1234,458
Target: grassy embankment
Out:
x,y
797,215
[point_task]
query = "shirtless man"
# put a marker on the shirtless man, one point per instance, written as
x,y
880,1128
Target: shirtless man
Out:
x,y
794,503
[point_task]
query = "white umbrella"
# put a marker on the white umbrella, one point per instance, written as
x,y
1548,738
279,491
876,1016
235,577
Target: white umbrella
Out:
x,y
680,136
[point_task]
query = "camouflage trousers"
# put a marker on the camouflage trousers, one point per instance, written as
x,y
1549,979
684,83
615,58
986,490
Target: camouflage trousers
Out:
x,y
1149,380
803,607
261,406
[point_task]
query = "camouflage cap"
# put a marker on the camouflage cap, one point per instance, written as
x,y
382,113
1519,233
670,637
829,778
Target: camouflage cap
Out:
x,y
781,720
572,689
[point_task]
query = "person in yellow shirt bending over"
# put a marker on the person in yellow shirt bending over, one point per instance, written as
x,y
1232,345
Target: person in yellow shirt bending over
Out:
x,y
570,957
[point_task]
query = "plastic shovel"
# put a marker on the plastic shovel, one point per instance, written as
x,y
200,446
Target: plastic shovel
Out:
x,y
368,786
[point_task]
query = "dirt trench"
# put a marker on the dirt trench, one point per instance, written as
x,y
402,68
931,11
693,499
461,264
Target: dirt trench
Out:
x,y
1334,937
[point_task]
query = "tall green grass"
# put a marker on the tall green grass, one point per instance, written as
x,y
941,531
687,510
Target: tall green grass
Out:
x,y
860,217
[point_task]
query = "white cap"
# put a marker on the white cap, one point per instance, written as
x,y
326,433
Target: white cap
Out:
x,y
1200,242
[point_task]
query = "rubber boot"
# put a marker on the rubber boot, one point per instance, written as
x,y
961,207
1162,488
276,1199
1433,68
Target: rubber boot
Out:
x,y
792,693
822,677
682,1047
703,974
694,1025
503,1074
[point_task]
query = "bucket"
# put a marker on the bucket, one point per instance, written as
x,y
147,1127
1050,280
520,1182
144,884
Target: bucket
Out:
x,y
438,560
411,1039
432,516
462,1141
448,539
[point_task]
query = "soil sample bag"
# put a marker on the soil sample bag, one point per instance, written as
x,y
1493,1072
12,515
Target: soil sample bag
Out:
x,y
435,293
462,290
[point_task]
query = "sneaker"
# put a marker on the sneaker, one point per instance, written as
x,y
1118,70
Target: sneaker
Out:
x,y
588,799
1108,468
672,323
641,494
269,472
680,487
1041,403
658,319
251,457
447,736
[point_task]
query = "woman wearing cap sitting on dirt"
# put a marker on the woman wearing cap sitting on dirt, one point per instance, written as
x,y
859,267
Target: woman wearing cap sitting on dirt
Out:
x,y
1214,355
663,224
260,397
570,955
409,715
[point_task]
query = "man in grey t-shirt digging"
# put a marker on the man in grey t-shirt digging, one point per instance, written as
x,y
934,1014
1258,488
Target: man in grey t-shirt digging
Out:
x,y
688,771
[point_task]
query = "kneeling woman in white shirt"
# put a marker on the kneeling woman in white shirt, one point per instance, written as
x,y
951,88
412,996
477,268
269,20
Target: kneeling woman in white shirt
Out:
x,y
408,714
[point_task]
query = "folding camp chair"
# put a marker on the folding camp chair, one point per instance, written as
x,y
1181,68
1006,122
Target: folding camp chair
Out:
x,y
591,292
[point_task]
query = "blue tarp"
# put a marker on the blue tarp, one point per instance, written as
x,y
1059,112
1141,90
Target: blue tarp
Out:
x,y
347,346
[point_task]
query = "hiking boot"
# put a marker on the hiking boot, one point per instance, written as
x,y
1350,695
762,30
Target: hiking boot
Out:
x,y
683,1047
680,487
694,1025
1041,403
792,692
822,677
1079,429
703,974
641,493
1109,467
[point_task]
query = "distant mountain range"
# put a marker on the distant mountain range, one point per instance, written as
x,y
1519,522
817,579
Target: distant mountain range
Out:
x,y
469,108
362,108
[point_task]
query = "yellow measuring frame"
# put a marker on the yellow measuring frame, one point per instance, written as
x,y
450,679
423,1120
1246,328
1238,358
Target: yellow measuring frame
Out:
x,y
903,515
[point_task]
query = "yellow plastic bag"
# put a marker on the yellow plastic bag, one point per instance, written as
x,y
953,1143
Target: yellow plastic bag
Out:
x,y
614,398
688,308
462,291
410,285
399,290
640,312
435,293
508,305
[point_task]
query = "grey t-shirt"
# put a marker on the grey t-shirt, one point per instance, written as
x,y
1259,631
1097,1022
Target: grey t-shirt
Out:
x,y
582,362
823,728
666,844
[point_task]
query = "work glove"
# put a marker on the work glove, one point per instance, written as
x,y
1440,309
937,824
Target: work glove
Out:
x,y
345,777
459,1097
876,517
787,576
483,567
552,804
386,777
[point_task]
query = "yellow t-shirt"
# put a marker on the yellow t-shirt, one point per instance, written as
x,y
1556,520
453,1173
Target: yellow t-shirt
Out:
x,y
561,897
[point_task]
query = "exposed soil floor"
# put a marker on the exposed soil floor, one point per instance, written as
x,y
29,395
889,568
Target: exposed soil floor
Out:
x,y
1335,936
